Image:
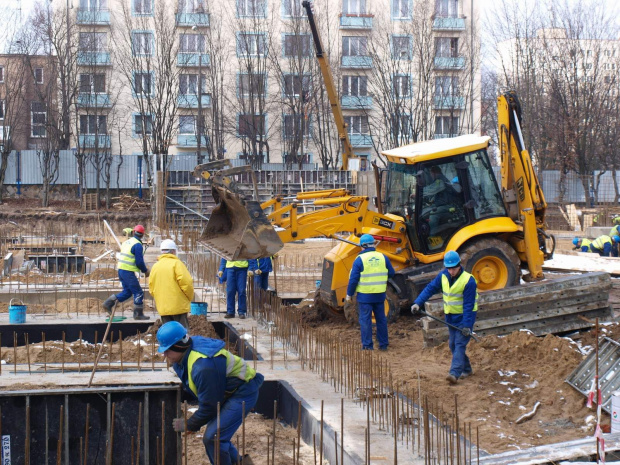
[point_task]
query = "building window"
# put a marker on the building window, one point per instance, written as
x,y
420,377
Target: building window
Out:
x,y
192,6
192,43
354,46
188,84
401,47
251,8
1,73
356,86
447,8
446,86
38,118
297,45
93,5
446,126
401,9
357,125
93,124
38,75
142,43
354,7
251,125
2,103
295,85
187,125
292,8
251,44
92,83
142,83
142,7
252,84
446,47
93,41
401,85
292,126
142,122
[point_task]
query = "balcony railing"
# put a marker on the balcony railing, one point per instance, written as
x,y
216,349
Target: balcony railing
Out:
x,y
91,141
93,58
86,100
448,102
449,62
360,140
353,102
191,101
193,59
189,140
192,19
88,16
444,23
357,62
444,136
355,22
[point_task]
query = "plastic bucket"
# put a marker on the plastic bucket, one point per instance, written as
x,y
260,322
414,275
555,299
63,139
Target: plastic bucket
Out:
x,y
17,313
198,308
615,412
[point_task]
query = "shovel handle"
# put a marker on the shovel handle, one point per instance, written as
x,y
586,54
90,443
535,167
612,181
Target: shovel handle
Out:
x,y
433,317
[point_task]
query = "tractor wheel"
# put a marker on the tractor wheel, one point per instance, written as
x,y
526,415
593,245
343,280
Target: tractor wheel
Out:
x,y
392,309
493,262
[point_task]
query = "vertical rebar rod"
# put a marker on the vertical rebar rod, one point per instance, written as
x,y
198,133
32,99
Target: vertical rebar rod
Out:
x,y
86,432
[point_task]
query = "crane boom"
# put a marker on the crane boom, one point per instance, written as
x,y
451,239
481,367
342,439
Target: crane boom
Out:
x,y
343,135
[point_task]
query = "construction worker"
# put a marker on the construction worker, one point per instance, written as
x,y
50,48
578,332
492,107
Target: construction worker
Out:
x,y
213,376
604,245
582,244
171,285
460,304
130,262
236,276
261,267
369,276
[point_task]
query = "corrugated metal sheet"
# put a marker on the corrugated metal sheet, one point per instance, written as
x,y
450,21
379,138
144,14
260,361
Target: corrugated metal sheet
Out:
x,y
31,168
125,177
183,162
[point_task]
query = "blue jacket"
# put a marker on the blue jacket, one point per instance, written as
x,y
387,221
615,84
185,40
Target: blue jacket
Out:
x,y
263,264
354,278
138,251
469,296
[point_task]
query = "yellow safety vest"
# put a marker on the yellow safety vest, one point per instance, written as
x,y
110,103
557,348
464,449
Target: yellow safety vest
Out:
x,y
600,242
235,367
237,264
374,276
585,243
453,295
127,260
614,231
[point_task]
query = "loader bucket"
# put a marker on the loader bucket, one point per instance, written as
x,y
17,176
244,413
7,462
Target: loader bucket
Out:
x,y
238,228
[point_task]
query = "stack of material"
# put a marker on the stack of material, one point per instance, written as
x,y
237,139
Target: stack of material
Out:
x,y
127,202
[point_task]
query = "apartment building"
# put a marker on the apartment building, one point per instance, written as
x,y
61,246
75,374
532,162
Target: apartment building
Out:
x,y
239,78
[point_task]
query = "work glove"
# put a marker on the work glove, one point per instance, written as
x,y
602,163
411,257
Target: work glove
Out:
x,y
178,424
258,272
220,274
348,298
147,273
466,332
415,309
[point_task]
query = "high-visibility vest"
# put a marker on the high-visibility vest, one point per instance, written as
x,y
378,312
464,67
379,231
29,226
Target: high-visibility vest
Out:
x,y
453,295
374,276
614,231
600,242
126,259
586,243
237,264
236,367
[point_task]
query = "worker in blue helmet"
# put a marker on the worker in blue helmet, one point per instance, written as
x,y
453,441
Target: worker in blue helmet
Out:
x,y
369,276
212,376
460,304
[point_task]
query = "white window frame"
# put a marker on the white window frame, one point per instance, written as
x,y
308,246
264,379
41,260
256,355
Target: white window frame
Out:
x,y
356,125
402,84
249,84
447,8
252,44
446,86
251,8
185,121
93,41
401,9
444,122
93,122
354,46
139,76
34,125
149,127
190,82
142,43
403,51
355,86
192,43
142,7
292,9
91,83
288,123
354,7
192,6
303,40
446,47
296,84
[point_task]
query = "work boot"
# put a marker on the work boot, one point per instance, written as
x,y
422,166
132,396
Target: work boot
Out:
x,y
229,315
109,303
242,316
466,375
452,379
138,313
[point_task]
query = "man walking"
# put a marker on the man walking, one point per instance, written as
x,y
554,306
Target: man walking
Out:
x,y
236,276
369,276
460,304
261,268
213,376
130,262
171,285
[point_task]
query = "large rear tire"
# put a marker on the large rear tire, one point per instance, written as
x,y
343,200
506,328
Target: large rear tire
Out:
x,y
493,262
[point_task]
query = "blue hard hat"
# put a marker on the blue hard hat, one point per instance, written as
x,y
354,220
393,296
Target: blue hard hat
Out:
x,y
367,239
615,238
169,334
455,180
575,241
451,259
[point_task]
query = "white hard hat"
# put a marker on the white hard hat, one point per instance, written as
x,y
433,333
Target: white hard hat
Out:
x,y
167,244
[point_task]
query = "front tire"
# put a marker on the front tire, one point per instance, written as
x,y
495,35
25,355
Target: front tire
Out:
x,y
493,262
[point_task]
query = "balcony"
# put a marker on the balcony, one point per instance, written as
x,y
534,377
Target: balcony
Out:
x,y
190,140
448,102
355,22
448,24
93,17
91,141
192,19
191,101
93,58
449,62
85,100
193,59
353,102
359,62
360,140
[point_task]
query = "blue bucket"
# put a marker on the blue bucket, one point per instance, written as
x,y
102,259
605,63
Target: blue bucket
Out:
x,y
198,308
17,313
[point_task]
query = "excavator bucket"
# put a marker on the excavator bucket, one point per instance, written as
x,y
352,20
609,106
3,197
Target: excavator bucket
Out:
x,y
238,229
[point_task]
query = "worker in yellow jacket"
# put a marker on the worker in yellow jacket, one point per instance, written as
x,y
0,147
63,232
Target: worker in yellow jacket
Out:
x,y
171,285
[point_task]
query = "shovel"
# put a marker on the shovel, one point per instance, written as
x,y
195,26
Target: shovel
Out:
x,y
432,317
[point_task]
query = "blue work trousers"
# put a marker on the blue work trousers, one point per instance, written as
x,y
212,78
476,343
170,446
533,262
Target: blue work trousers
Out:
x,y
131,286
231,416
262,281
458,346
236,282
366,310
